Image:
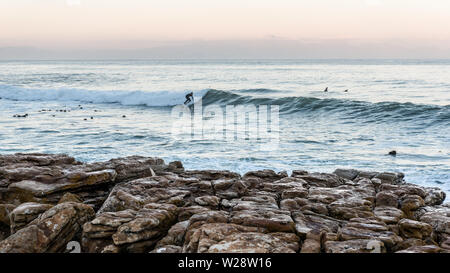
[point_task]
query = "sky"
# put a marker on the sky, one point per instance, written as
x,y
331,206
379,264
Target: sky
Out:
x,y
225,28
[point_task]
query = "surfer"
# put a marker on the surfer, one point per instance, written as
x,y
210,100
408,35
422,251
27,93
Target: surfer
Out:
x,y
188,97
393,153
326,90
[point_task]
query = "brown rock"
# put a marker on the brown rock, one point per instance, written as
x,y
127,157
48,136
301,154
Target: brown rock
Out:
x,y
290,204
25,213
129,230
305,222
201,218
146,205
211,175
368,175
410,203
132,167
434,196
176,167
373,224
32,190
195,186
185,213
111,249
273,220
410,242
135,194
250,202
403,189
438,217
421,249
229,188
251,242
331,237
51,231
36,159
167,249
390,178
414,229
318,208
314,241
387,237
289,187
310,246
351,208
207,234
151,222
355,246
5,210
70,197
389,215
106,224
445,242
264,176
228,238
208,201
387,199
320,179
349,174
175,235
45,178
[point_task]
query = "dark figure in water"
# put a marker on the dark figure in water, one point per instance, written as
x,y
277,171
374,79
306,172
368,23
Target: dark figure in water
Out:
x,y
188,97
326,90
393,153
346,90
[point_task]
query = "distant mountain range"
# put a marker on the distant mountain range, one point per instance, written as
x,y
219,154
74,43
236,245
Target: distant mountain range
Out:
x,y
242,49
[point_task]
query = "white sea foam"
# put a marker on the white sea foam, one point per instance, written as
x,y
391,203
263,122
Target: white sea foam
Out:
x,y
149,98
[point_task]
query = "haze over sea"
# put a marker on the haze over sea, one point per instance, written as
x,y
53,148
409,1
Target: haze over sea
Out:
x,y
401,105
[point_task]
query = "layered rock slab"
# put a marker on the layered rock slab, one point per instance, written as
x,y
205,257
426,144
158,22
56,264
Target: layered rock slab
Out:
x,y
51,231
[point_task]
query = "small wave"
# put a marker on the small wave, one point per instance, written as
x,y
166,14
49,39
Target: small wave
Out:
x,y
426,115
160,98
258,91
352,108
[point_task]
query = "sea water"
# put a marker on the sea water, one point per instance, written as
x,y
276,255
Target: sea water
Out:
x,y
118,108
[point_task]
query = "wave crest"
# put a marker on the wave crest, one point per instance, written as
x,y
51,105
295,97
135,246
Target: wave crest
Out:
x,y
372,112
160,98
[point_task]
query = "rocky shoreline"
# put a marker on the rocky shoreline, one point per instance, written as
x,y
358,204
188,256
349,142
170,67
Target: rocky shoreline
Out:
x,y
140,204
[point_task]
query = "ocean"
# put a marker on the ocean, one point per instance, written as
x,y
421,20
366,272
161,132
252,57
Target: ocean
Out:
x,y
98,110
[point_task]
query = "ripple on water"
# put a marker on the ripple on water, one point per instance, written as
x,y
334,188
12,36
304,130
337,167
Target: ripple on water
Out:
x,y
49,132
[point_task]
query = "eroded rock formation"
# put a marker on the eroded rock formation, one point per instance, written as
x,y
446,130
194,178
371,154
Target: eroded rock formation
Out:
x,y
139,204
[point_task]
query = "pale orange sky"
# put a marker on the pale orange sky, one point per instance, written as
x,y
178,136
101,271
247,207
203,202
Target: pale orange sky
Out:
x,y
62,22
128,24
